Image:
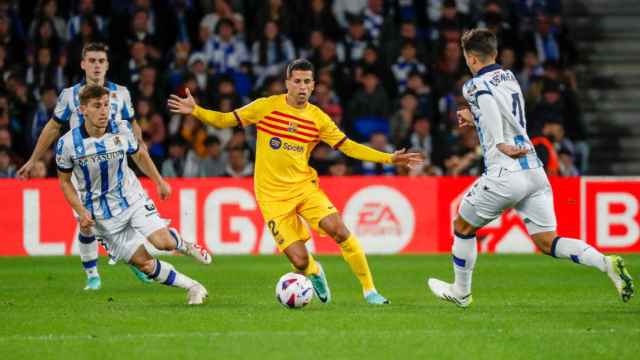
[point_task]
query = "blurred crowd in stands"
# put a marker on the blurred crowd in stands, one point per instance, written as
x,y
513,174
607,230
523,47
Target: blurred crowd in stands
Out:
x,y
389,73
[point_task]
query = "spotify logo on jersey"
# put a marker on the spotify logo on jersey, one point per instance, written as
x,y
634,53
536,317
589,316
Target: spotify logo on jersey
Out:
x,y
275,143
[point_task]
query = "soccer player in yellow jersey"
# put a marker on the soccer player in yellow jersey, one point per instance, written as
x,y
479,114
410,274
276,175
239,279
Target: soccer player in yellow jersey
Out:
x,y
286,187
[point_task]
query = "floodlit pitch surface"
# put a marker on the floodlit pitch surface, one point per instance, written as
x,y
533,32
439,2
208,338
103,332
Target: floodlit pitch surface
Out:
x,y
526,306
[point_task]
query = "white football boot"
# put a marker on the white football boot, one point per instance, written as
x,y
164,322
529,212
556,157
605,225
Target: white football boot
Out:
x,y
620,276
444,291
191,249
197,294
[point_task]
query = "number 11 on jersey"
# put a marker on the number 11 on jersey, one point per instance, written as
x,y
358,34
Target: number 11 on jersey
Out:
x,y
517,109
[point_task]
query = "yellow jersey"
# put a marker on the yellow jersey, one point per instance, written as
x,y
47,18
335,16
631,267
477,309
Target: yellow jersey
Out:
x,y
285,138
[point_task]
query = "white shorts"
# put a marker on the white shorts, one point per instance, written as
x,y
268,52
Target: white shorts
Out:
x,y
127,231
527,191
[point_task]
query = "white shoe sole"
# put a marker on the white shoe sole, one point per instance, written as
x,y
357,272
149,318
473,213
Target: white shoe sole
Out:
x,y
190,249
197,295
442,291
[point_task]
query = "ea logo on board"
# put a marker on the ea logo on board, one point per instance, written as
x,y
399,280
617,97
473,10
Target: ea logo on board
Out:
x,y
382,218
275,143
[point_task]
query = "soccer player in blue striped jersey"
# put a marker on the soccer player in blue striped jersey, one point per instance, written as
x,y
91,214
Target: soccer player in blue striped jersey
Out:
x,y
514,177
108,198
95,64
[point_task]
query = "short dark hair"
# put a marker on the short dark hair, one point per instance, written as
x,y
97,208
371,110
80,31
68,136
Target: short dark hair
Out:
x,y
481,42
92,92
211,140
95,46
407,43
224,22
178,140
299,64
48,87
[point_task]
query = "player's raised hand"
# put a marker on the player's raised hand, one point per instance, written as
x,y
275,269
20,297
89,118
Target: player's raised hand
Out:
x,y
512,150
25,171
164,190
181,105
411,159
465,118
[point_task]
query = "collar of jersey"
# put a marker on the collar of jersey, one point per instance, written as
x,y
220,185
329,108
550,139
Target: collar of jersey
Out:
x,y
488,68
85,133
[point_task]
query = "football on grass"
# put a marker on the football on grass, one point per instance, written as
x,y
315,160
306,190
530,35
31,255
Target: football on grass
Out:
x,y
294,290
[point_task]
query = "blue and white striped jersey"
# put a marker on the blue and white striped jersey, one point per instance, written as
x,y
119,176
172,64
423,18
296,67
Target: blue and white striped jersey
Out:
x,y
105,183
505,123
67,109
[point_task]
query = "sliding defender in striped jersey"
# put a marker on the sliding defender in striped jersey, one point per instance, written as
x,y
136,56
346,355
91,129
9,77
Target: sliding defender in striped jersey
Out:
x,y
108,198
514,177
286,187
95,64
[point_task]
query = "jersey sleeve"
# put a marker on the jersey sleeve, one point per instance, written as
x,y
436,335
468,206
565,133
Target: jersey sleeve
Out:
x,y
474,88
252,112
127,107
64,163
132,143
334,137
245,116
491,116
62,111
330,133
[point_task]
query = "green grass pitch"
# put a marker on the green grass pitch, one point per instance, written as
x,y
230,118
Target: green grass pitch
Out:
x,y
526,307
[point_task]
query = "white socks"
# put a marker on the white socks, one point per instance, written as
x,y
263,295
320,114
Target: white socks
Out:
x,y
178,239
464,252
579,252
88,249
166,274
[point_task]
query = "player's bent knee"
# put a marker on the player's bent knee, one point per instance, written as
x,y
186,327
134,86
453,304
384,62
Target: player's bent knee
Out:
x,y
300,261
338,231
140,258
341,234
162,240
334,227
462,227
146,266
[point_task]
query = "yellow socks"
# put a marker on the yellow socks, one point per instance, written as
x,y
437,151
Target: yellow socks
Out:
x,y
354,256
312,268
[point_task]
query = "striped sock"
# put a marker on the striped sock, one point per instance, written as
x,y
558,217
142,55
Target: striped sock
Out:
x,y
91,268
166,274
88,249
178,239
464,253
579,252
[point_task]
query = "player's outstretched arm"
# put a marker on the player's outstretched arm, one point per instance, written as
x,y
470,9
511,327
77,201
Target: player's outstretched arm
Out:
x,y
188,106
72,198
137,132
409,159
366,153
49,134
144,162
